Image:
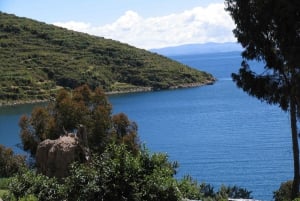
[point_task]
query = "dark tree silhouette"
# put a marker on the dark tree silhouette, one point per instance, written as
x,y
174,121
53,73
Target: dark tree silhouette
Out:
x,y
269,30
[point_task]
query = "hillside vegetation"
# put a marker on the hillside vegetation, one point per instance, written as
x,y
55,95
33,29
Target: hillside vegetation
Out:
x,y
36,59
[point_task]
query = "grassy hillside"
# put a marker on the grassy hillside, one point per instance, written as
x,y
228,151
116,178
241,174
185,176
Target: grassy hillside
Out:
x,y
36,59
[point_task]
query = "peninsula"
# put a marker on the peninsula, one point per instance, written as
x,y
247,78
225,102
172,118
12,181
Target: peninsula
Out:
x,y
37,59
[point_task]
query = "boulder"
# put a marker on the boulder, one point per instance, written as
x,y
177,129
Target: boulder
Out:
x,y
53,157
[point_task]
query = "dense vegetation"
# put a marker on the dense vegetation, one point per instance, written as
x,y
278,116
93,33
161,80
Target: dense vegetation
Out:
x,y
36,59
117,174
9,163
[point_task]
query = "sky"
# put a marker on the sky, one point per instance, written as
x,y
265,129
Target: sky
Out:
x,y
145,24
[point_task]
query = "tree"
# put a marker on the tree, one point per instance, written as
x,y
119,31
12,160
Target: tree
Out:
x,y
9,162
70,111
269,30
284,192
125,131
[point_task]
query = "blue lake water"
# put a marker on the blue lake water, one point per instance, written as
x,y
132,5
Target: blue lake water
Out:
x,y
217,133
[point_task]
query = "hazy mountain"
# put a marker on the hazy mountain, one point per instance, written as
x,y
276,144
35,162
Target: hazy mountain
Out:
x,y
198,49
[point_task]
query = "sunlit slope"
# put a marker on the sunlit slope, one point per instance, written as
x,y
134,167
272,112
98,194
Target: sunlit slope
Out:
x,y
36,59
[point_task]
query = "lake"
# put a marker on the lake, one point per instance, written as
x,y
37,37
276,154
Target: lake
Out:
x,y
217,133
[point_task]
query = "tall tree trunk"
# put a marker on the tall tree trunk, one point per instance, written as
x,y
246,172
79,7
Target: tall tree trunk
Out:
x,y
295,189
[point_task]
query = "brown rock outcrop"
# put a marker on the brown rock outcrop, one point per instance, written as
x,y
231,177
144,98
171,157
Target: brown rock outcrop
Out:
x,y
53,157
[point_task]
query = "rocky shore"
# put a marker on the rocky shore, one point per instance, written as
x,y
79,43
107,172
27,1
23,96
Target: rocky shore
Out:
x,y
133,90
147,89
21,102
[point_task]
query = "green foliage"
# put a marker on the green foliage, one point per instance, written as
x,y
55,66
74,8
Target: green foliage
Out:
x,y
37,59
124,132
43,188
121,175
7,196
83,183
284,193
189,189
9,162
28,198
192,190
226,192
4,183
3,193
117,174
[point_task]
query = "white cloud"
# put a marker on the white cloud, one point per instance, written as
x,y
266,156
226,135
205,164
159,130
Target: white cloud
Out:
x,y
76,26
198,25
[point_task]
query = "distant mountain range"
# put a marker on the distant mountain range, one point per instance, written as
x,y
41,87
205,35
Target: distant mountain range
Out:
x,y
198,49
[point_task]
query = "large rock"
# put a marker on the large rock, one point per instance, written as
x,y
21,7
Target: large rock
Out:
x,y
53,157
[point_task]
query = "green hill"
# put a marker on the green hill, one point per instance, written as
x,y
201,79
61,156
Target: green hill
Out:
x,y
36,59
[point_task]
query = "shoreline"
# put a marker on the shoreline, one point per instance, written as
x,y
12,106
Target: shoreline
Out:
x,y
149,89
134,90
22,102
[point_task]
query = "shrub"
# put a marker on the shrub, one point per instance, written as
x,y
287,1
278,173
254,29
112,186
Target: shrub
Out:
x,y
284,193
30,183
192,190
119,174
3,193
11,197
9,162
4,183
189,189
226,192
28,198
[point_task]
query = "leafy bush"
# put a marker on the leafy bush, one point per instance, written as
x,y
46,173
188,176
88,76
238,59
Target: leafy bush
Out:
x,y
284,193
226,192
30,183
11,197
192,190
119,174
116,174
9,162
28,198
4,183
189,189
3,193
